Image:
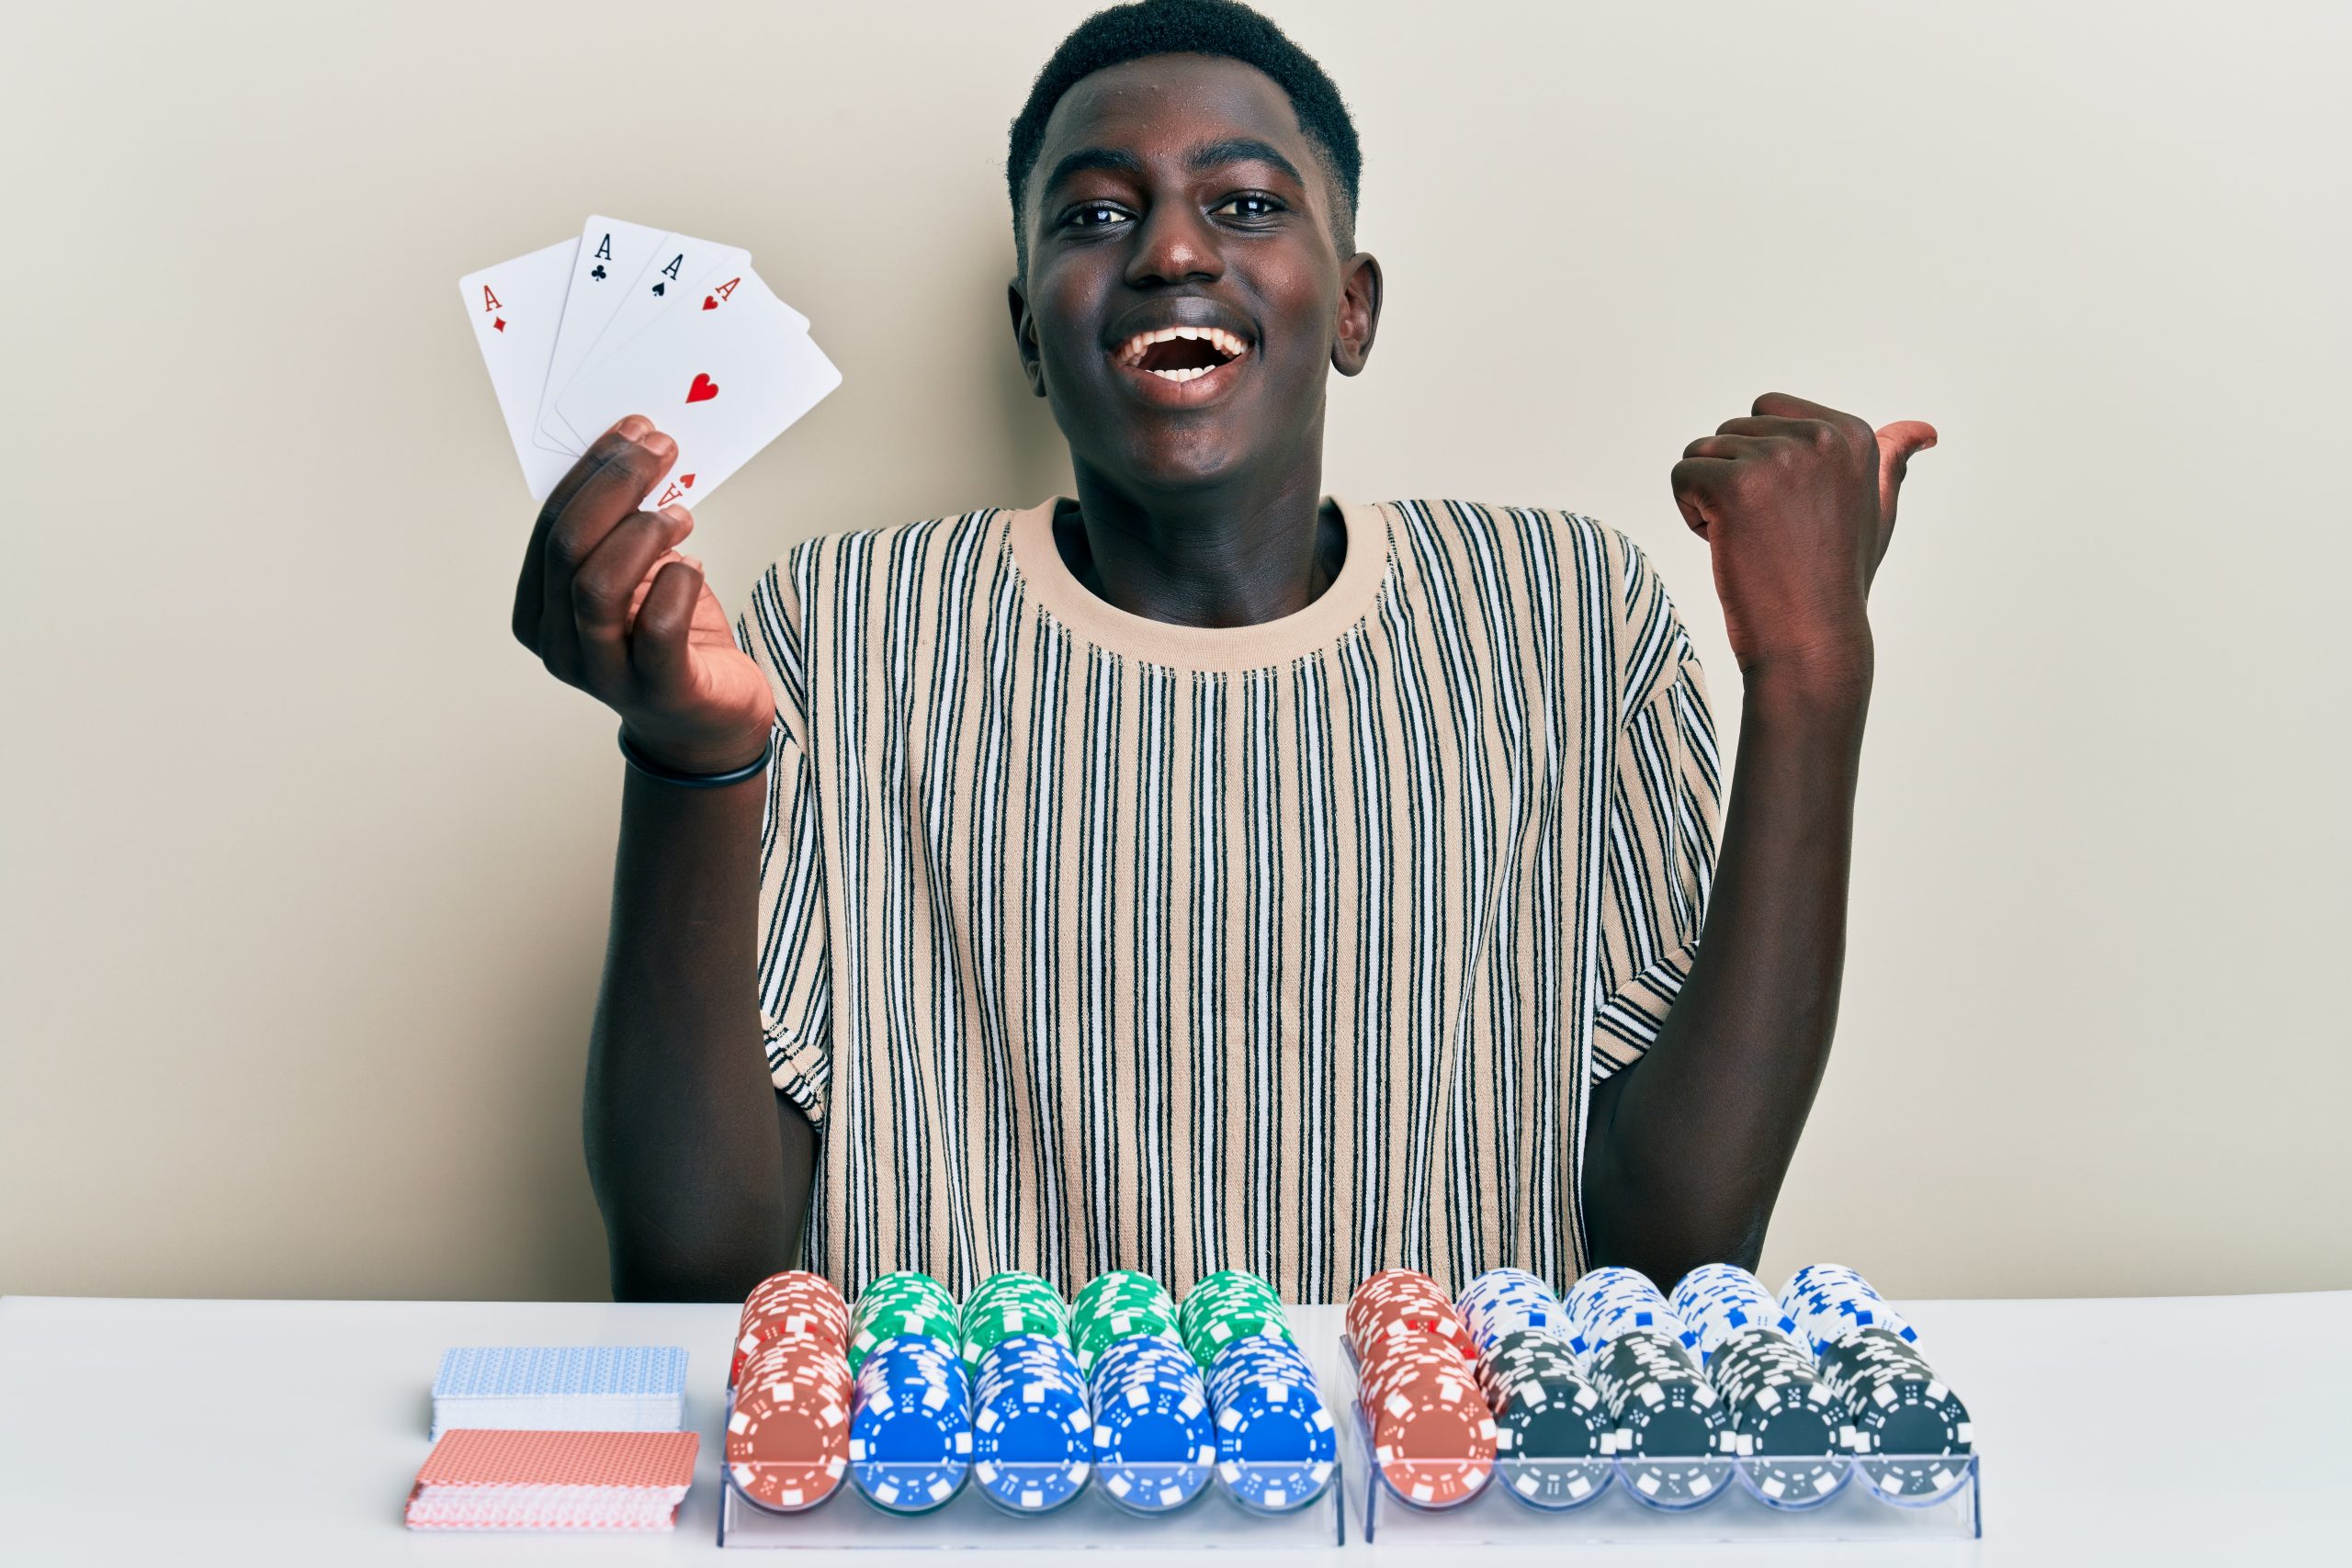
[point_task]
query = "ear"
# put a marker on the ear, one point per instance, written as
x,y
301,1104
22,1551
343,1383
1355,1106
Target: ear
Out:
x,y
1024,337
1360,287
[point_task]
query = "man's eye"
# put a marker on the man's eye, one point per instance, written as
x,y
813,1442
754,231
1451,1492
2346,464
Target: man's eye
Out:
x,y
1248,205
1094,215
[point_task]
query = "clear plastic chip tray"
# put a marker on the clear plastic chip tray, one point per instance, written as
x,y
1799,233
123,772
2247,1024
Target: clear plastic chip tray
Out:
x,y
1604,1500
1214,1518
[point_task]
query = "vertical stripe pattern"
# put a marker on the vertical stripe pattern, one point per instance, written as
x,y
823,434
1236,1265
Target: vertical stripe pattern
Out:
x,y
1083,952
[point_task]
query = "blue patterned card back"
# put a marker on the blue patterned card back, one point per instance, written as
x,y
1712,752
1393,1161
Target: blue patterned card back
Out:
x,y
527,1371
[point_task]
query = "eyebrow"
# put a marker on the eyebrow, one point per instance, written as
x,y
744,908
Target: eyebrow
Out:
x,y
1233,150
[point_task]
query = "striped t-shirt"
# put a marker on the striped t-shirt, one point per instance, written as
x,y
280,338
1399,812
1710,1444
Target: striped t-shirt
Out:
x,y
1090,941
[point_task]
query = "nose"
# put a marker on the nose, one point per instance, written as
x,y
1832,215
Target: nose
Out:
x,y
1174,245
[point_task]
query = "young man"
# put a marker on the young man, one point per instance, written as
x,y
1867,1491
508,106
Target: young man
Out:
x,y
1201,872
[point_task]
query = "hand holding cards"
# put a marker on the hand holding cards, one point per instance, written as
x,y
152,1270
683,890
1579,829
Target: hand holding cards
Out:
x,y
631,320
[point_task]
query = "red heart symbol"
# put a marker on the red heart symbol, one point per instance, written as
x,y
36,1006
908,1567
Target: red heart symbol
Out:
x,y
703,390
708,303
685,481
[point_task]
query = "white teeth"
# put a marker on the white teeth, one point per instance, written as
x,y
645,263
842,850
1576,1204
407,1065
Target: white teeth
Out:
x,y
1185,374
1224,343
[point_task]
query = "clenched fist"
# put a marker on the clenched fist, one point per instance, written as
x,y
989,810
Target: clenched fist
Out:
x,y
1796,504
610,606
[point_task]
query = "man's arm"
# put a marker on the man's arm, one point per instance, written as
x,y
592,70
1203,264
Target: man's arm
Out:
x,y
703,1187
1687,1147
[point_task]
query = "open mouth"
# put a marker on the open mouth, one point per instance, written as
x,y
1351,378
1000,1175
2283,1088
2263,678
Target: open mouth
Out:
x,y
1181,353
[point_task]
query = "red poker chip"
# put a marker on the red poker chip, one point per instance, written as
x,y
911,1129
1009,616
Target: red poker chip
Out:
x,y
787,1438
1391,1285
795,1304
798,1290
1433,1437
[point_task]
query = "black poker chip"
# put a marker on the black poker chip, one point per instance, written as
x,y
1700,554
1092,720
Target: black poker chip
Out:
x,y
1671,1432
1552,1437
1910,1425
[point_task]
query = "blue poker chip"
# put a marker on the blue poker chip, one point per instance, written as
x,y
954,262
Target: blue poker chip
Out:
x,y
1276,1443
1155,1442
910,1429
910,1451
1033,1435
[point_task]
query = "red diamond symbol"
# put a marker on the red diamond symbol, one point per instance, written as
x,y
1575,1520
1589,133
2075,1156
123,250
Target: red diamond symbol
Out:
x,y
499,324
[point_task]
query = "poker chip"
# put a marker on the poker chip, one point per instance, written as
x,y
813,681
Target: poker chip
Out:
x,y
1912,1426
788,1434
1793,1439
1404,1302
1829,1301
1670,1431
1033,1435
903,1305
1119,1305
1276,1443
1508,1301
1719,1300
1011,1306
910,1424
795,1304
1227,1305
1155,1438
1609,1302
1552,1435
1432,1434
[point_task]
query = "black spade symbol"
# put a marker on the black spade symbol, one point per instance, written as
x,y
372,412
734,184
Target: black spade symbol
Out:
x,y
659,288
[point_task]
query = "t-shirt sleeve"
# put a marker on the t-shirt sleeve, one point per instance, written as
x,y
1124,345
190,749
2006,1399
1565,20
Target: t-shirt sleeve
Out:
x,y
794,976
1659,838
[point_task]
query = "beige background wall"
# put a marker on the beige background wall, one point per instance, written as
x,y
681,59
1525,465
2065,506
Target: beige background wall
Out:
x,y
306,861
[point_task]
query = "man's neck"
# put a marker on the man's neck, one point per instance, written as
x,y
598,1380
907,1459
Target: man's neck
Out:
x,y
1219,556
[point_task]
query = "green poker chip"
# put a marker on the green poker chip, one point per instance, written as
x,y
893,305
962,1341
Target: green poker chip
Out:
x,y
1227,1305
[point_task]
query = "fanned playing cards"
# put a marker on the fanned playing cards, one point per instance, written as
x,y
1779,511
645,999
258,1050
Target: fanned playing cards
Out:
x,y
476,1479
625,319
598,1388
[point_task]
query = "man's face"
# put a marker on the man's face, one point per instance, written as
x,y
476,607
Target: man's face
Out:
x,y
1178,194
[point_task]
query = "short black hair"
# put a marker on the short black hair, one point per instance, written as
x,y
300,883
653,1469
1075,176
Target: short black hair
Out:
x,y
1222,28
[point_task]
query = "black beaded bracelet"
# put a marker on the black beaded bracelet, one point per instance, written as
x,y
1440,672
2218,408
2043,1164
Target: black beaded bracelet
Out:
x,y
653,770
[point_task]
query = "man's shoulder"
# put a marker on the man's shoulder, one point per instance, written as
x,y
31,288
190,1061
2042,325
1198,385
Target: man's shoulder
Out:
x,y
981,528
1556,545
869,563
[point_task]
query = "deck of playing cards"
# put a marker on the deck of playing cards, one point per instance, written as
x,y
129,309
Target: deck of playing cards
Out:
x,y
553,1481
587,1388
631,320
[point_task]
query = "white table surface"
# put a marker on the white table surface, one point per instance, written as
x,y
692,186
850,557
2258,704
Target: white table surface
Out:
x,y
197,1432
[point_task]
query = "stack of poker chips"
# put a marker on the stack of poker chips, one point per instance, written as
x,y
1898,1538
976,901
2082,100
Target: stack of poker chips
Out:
x,y
1276,1443
1870,1357
1898,1407
1432,1434
1227,1305
896,1305
1668,1429
1789,1428
1155,1448
1826,1302
1120,1305
787,1432
909,1425
1552,1436
1007,1305
1032,1435
1155,1433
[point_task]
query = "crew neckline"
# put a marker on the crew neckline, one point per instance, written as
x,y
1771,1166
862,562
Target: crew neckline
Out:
x,y
1348,600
